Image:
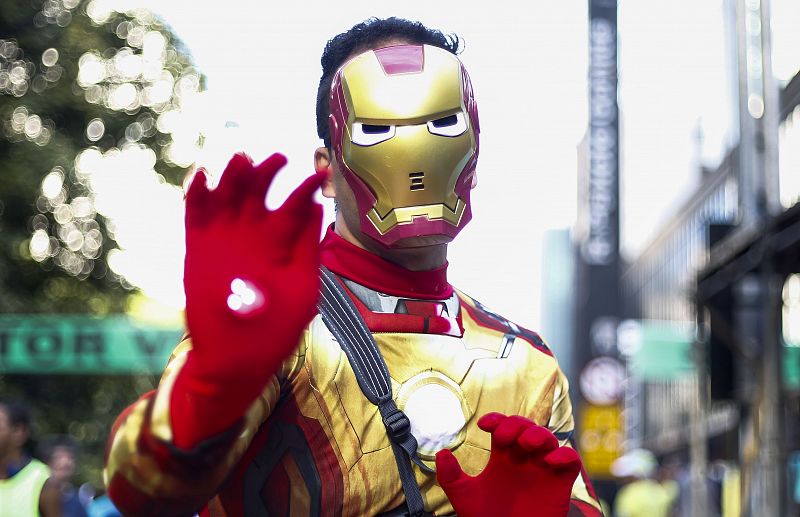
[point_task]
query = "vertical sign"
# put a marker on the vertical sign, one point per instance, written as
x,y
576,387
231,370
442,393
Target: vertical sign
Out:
x,y
598,309
602,242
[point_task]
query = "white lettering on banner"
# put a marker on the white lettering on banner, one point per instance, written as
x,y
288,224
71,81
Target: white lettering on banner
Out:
x,y
601,244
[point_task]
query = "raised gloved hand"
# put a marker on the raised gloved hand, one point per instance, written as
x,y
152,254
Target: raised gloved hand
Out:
x,y
528,474
251,277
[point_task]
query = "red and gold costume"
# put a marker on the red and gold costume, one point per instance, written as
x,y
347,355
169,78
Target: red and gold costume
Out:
x,y
248,422
313,444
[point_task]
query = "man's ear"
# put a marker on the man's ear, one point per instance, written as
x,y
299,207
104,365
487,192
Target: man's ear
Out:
x,y
323,163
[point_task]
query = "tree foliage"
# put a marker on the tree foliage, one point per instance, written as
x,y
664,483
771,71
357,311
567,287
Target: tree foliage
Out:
x,y
78,80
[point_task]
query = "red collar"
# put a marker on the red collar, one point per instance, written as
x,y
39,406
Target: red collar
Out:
x,y
361,266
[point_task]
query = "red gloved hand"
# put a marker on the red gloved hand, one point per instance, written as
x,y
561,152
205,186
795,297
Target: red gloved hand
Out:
x,y
528,474
251,277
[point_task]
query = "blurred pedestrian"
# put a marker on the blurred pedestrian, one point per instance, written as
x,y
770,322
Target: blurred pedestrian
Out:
x,y
60,453
642,495
26,488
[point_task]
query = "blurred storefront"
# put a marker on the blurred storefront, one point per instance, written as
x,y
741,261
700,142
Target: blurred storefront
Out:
x,y
711,340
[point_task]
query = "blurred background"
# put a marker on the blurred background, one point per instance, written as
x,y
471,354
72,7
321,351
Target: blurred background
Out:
x,y
637,204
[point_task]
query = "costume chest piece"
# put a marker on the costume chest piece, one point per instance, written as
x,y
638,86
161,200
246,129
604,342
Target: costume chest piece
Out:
x,y
434,403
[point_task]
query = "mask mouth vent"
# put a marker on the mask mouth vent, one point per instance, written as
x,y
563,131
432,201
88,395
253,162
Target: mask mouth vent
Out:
x,y
417,181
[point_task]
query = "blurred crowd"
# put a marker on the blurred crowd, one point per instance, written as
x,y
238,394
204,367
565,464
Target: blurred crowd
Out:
x,y
42,482
661,487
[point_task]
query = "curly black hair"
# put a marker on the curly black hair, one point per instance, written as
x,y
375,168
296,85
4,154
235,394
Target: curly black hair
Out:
x,y
369,34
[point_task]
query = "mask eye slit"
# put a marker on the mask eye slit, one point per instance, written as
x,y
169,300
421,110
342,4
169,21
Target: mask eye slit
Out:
x,y
451,125
451,120
372,129
371,134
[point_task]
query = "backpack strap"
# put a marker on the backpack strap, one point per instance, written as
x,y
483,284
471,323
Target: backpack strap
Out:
x,y
348,327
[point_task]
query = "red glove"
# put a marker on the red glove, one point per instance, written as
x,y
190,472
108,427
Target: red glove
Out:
x,y
251,277
528,474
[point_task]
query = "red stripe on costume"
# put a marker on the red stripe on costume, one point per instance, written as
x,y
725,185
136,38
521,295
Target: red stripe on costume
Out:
x,y
277,483
278,491
579,508
489,321
406,323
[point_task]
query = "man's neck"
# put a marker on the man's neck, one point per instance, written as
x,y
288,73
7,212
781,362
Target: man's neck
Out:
x,y
423,258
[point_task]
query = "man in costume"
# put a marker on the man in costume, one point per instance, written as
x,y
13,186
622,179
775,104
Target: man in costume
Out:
x,y
393,393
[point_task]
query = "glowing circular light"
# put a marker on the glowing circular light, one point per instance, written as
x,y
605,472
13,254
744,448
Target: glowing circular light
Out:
x,y
755,105
50,57
154,44
136,36
82,207
88,161
134,132
18,75
436,417
33,126
95,129
40,245
18,119
51,184
63,214
91,69
74,240
122,96
99,11
63,18
245,298
53,74
127,64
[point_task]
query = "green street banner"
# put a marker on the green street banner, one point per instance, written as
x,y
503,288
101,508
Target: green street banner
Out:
x,y
663,350
83,345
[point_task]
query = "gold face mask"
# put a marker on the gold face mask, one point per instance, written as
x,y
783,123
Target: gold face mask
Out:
x,y
404,131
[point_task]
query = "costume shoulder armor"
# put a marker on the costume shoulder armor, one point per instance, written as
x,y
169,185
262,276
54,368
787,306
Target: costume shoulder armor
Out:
x,y
487,318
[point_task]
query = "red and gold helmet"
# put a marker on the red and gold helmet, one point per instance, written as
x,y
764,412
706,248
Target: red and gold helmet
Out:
x,y
404,131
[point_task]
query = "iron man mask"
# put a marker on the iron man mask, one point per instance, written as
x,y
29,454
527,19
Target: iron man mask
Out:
x,y
404,132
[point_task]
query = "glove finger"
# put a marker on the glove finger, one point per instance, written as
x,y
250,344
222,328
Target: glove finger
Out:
x,y
298,201
448,470
296,211
537,440
490,421
509,430
565,460
265,172
196,197
232,185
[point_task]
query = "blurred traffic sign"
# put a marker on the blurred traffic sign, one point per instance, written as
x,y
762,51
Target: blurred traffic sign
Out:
x,y
602,380
600,439
83,345
657,350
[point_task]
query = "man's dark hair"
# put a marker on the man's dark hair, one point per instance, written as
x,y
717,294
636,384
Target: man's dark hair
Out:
x,y
367,35
18,413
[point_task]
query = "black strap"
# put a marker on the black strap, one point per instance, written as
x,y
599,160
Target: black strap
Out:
x,y
346,324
